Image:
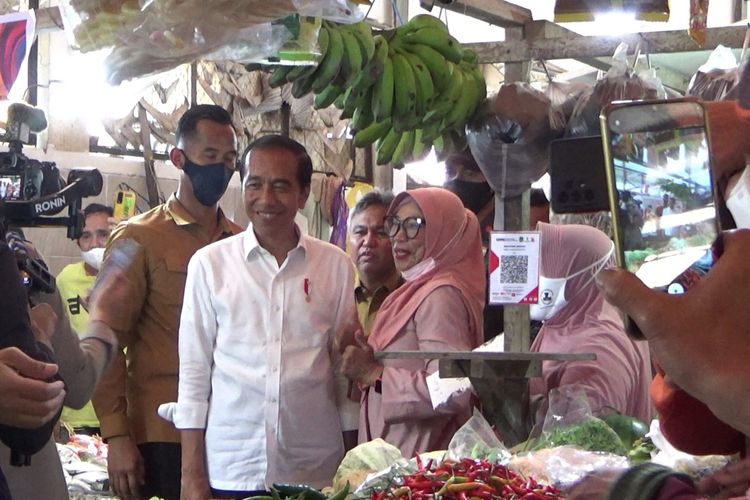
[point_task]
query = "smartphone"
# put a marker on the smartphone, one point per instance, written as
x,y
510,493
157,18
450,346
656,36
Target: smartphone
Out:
x,y
661,191
578,179
125,205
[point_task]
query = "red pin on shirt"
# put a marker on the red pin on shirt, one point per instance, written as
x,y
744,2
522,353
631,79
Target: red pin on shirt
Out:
x,y
306,288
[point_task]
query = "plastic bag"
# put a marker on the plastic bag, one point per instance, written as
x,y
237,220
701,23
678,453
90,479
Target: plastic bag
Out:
x,y
715,79
476,439
698,21
569,421
697,467
157,35
510,140
363,460
620,83
379,481
564,466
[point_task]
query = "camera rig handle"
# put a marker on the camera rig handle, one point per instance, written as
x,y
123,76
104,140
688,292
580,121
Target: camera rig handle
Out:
x,y
36,213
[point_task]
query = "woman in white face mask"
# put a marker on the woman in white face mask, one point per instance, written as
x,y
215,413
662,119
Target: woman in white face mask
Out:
x,y
437,248
577,319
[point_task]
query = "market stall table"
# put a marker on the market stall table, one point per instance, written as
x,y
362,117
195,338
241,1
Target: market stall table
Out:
x,y
499,378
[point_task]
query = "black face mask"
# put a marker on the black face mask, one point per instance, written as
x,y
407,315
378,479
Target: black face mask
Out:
x,y
209,181
474,195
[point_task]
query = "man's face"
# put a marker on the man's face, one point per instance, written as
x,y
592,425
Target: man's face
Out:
x,y
96,231
369,245
272,191
211,143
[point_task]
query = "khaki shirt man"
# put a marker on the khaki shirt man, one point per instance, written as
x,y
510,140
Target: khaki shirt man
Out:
x,y
144,451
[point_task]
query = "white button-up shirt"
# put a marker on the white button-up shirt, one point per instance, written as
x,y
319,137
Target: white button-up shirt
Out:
x,y
256,368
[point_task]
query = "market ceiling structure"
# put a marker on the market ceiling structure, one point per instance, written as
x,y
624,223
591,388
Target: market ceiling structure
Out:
x,y
674,53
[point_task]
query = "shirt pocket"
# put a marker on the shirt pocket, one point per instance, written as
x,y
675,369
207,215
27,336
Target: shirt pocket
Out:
x,y
170,278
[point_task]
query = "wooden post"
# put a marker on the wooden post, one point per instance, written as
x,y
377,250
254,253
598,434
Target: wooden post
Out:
x,y
286,117
148,158
193,83
512,214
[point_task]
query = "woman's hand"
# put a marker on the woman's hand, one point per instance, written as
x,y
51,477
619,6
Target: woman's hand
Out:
x,y
359,364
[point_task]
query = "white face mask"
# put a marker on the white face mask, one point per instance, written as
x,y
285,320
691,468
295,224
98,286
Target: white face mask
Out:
x,y
738,201
94,257
552,290
419,269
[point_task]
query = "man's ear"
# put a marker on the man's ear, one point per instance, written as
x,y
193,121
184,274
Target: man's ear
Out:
x,y
303,197
177,157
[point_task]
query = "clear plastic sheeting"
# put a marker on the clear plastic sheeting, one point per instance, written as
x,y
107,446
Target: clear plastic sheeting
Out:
x,y
149,36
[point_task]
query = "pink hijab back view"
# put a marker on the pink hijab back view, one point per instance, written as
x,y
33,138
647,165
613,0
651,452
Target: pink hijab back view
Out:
x,y
621,375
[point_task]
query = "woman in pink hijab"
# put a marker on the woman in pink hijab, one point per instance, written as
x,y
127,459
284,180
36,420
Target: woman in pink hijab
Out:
x,y
577,319
437,247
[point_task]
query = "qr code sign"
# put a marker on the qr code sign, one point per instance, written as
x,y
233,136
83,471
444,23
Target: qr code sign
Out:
x,y
514,268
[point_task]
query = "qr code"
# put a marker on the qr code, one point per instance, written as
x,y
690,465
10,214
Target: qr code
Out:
x,y
514,268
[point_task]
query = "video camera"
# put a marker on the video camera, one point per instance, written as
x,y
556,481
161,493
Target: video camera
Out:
x,y
32,192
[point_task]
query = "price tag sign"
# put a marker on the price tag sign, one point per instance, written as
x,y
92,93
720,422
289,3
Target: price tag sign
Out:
x,y
514,267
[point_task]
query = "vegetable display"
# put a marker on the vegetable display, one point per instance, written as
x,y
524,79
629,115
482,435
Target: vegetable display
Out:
x,y
463,480
591,435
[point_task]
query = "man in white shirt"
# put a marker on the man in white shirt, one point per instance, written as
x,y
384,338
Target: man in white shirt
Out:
x,y
262,317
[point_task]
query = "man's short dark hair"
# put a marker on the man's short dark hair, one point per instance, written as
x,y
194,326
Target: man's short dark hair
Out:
x,y
98,208
188,123
304,162
371,199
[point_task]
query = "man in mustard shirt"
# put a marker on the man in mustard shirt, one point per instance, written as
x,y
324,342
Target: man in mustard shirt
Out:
x,y
75,282
370,250
144,450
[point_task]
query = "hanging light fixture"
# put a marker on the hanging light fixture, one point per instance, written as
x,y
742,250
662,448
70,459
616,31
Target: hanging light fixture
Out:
x,y
567,11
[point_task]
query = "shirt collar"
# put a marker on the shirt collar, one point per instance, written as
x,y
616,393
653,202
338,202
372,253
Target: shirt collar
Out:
x,y
250,242
182,217
361,293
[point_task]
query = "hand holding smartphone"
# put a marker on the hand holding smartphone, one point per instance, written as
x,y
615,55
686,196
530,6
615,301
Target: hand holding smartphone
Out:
x,y
661,191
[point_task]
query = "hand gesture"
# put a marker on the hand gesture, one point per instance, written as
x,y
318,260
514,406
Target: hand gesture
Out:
x,y
27,401
358,362
699,338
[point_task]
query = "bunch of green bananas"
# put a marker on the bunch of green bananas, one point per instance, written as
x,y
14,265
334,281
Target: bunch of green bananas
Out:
x,y
433,89
408,89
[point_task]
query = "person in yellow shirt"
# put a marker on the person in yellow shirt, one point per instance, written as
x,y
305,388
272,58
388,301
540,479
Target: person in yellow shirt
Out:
x,y
75,282
370,250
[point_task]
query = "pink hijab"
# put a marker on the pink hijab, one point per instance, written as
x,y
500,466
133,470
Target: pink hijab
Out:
x,y
453,240
621,375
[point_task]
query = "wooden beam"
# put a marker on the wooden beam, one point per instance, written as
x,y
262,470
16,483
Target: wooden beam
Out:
x,y
537,30
657,42
498,12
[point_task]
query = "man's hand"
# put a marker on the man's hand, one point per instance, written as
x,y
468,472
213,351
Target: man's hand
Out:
x,y
731,481
194,487
43,323
700,338
27,401
359,364
125,467
194,484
